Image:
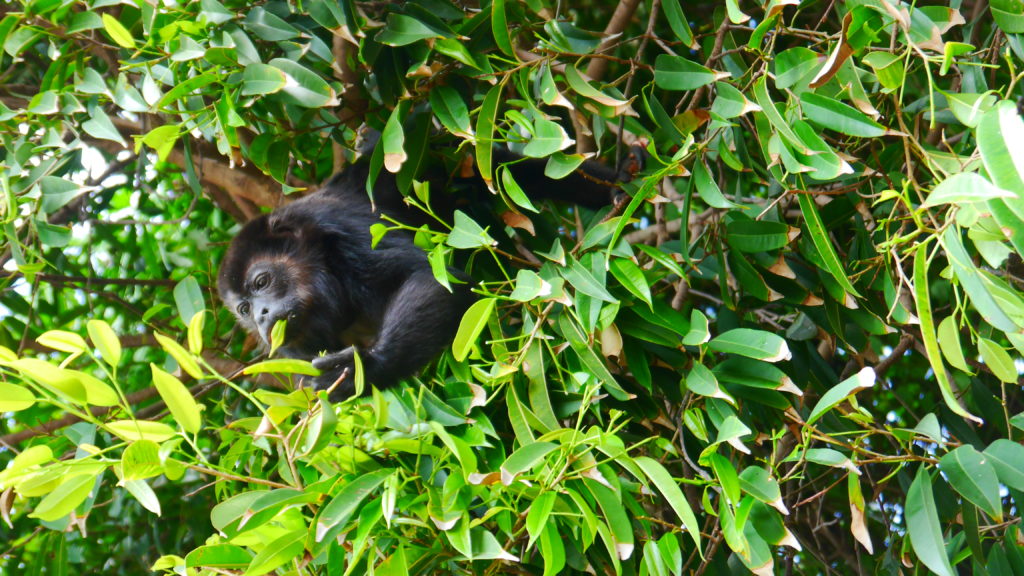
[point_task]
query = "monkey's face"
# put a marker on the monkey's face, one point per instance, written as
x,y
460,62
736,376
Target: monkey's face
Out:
x,y
271,289
275,269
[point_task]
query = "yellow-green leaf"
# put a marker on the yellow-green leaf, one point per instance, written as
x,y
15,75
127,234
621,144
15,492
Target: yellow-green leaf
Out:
x,y
105,340
178,400
118,33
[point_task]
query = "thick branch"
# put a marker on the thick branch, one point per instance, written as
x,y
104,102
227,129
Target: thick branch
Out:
x,y
623,14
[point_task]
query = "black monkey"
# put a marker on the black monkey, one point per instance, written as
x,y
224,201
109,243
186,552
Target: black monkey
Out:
x,y
311,263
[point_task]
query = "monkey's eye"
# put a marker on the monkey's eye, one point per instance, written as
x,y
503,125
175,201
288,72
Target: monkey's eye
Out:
x,y
243,309
261,281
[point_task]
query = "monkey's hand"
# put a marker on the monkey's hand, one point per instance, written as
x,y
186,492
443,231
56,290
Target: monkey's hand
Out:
x,y
337,374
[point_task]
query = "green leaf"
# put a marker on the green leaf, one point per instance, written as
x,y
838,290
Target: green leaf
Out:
x,y
748,235
949,342
451,110
268,26
92,83
514,191
62,382
974,478
335,514
472,324
548,138
560,165
118,33
402,30
282,550
730,102
392,140
304,87
65,498
632,278
998,360
581,86
1007,458
822,243
621,544
222,556
758,482
842,118
757,344
320,426
669,489
678,73
258,79
731,431
141,460
701,380
144,494
499,27
195,332
552,549
135,430
99,126
971,279
780,124
677,22
180,355
485,121
523,459
44,103
186,88
922,297
529,286
14,398
62,340
188,297
467,234
698,333
105,340
282,366
708,189
830,457
964,188
584,281
888,68
1001,143
830,399
178,399
537,517
1008,15
923,525
594,364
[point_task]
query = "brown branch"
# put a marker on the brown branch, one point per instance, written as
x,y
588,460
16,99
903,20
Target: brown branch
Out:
x,y
906,340
59,279
623,14
716,52
354,102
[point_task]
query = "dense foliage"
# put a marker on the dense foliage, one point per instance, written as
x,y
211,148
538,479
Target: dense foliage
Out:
x,y
793,345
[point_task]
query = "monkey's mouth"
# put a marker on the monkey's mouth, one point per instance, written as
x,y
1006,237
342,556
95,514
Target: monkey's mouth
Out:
x,y
289,333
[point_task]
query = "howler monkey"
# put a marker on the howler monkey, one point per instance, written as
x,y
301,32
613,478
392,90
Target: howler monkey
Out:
x,y
311,263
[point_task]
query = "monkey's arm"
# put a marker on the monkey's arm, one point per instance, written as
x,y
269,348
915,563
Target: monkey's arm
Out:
x,y
420,320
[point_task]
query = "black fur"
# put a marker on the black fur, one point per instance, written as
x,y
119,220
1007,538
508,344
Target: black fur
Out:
x,y
311,263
